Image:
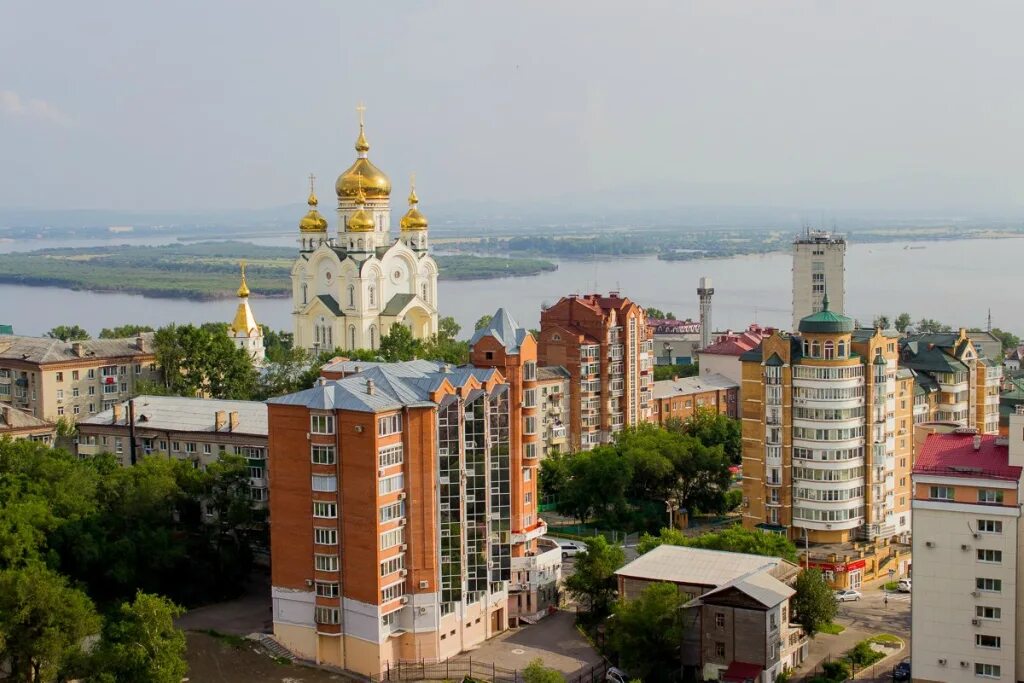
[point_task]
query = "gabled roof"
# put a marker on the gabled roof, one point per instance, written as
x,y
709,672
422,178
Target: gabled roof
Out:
x,y
505,329
331,303
698,566
684,386
757,584
14,419
397,304
737,343
46,350
183,414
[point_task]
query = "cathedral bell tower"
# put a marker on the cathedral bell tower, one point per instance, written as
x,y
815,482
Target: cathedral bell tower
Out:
x,y
414,223
362,177
313,226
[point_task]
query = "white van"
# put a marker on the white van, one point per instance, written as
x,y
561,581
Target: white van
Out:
x,y
903,586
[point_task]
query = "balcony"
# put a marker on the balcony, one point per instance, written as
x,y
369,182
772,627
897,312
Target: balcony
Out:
x,y
538,530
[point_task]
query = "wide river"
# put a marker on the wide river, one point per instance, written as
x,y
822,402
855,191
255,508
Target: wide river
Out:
x,y
953,281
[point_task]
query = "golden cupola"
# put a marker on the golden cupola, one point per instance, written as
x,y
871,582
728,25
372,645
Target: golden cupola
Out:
x,y
313,221
374,183
413,219
360,221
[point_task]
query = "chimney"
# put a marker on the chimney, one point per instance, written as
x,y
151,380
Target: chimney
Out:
x,y
233,420
5,413
140,344
220,420
977,442
77,349
118,412
369,387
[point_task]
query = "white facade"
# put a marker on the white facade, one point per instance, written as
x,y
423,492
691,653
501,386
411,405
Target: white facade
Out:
x,y
819,259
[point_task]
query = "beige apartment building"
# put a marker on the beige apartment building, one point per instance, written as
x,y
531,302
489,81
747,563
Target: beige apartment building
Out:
x,y
51,379
553,385
819,261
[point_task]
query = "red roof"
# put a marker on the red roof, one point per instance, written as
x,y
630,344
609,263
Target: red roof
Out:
x,y
736,343
953,455
742,672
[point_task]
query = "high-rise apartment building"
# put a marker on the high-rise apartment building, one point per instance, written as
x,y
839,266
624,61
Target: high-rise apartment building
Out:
x,y
603,342
553,384
954,382
827,441
968,588
819,259
404,507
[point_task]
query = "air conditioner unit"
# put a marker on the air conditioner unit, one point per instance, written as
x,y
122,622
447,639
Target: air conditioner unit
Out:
x,y
308,436
965,547
401,522
404,546
942,660
403,572
309,582
424,584
401,496
964,664
380,472
404,599
929,544
976,622
975,594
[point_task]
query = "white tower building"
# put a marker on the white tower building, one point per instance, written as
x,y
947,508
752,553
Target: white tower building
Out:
x,y
244,330
819,257
705,292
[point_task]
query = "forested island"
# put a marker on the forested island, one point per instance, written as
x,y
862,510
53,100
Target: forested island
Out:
x,y
206,270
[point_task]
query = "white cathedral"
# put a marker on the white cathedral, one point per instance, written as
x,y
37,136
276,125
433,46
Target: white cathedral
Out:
x,y
349,289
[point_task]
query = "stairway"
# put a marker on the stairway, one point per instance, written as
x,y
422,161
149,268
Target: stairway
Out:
x,y
275,648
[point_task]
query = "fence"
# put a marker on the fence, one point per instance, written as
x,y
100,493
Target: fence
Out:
x,y
458,669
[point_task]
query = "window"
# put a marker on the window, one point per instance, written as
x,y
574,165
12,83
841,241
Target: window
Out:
x,y
387,621
60,410
325,510
528,497
392,592
989,585
391,424
321,424
258,493
529,371
940,493
390,484
327,615
987,670
372,297
990,555
323,455
389,539
326,563
207,449
992,613
392,565
529,425
325,536
530,398
255,472
60,376
530,452
987,641
91,374
389,513
720,619
327,483
447,608
527,474
74,375
327,589
75,392
77,410
190,447
390,455
990,496
990,526
92,391
720,649
138,368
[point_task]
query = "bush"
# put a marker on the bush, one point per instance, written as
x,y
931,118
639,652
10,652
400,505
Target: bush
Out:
x,y
863,655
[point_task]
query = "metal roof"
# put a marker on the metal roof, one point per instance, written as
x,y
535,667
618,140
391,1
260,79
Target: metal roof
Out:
x,y
183,414
45,350
758,584
695,566
503,327
683,386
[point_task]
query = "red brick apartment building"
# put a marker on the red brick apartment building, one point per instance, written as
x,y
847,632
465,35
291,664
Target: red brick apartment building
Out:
x,y
604,344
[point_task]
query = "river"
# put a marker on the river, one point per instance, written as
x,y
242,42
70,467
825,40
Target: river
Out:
x,y
953,281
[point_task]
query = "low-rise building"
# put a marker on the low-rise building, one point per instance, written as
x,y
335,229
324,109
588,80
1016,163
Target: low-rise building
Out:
x,y
732,598
680,397
196,429
18,424
723,356
968,590
51,378
676,342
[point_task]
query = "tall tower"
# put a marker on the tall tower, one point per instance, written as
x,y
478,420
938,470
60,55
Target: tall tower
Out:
x,y
705,292
363,178
245,332
819,256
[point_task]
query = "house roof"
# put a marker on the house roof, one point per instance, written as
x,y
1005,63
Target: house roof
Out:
x,y
953,455
918,353
14,419
735,343
698,566
757,584
46,350
742,672
503,327
331,303
826,321
552,372
397,304
692,385
183,414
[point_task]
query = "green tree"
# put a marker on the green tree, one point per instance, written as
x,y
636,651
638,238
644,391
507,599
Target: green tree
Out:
x,y
42,624
124,331
663,372
647,632
447,328
929,326
735,539
658,314
594,575
283,373
554,476
903,321
203,361
733,499
712,428
399,344
482,322
814,603
536,672
597,484
140,644
881,321
68,333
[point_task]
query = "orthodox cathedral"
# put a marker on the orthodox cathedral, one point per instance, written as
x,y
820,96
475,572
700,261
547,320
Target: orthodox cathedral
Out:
x,y
350,288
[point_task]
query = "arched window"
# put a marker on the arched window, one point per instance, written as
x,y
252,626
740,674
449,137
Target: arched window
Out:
x,y
373,336
807,348
330,338
842,349
830,350
359,244
372,296
351,296
424,290
305,293
351,336
815,350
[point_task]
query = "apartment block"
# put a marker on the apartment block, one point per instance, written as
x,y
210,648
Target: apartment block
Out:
x,y
956,384
553,384
395,536
967,584
819,263
51,378
680,397
196,429
827,443
604,344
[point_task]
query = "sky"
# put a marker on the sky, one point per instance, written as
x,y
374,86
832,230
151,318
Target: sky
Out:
x,y
219,104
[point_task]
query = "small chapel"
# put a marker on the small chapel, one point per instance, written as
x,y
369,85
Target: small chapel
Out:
x,y
350,287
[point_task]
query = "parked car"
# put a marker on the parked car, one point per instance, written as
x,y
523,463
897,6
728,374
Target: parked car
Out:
x,y
903,586
569,548
901,672
616,675
848,595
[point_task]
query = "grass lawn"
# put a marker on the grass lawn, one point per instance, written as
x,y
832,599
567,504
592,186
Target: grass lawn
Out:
x,y
887,638
833,629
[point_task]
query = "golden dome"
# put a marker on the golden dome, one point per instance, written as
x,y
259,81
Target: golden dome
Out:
x,y
375,184
413,219
313,221
243,291
360,221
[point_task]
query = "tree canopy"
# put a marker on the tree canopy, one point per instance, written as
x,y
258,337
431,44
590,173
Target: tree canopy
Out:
x,y
814,603
712,428
594,577
140,643
734,539
203,361
536,672
68,333
658,314
124,331
647,632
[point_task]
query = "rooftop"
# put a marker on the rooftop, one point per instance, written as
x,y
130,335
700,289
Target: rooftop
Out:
x,y
700,567
758,584
552,372
13,419
46,350
954,455
735,343
182,414
505,329
683,386
826,321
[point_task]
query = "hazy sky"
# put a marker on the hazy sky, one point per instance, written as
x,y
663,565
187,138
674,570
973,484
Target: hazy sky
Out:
x,y
202,104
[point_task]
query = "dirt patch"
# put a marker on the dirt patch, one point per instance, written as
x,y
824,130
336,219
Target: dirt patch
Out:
x,y
213,660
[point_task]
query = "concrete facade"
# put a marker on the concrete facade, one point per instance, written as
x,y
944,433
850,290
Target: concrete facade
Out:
x,y
819,263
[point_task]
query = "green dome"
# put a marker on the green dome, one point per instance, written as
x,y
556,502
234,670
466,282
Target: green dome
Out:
x,y
826,321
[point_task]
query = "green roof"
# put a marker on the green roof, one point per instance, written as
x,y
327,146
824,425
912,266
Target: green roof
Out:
x,y
774,361
826,321
6,329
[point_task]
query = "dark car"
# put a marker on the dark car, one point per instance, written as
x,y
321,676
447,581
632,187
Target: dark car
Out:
x,y
901,672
